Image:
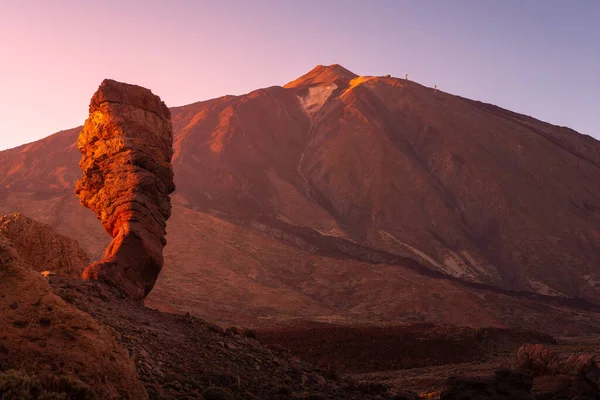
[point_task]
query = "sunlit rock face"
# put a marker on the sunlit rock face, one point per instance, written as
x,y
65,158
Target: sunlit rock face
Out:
x,y
127,146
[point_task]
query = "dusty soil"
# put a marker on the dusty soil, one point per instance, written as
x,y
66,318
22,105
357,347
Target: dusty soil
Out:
x,y
181,357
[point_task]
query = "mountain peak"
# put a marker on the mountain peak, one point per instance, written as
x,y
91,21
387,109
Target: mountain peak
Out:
x,y
323,74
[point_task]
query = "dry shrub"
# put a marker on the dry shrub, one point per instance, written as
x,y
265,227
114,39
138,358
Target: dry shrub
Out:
x,y
218,393
16,385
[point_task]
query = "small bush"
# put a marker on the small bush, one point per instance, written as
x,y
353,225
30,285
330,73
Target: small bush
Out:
x,y
233,331
284,390
217,393
16,385
481,335
405,396
249,333
246,396
68,297
372,388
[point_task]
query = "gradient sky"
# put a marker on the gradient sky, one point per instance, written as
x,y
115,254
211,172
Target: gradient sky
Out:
x,y
536,57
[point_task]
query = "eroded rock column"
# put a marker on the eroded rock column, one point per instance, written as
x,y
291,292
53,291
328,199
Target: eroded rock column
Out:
x,y
127,146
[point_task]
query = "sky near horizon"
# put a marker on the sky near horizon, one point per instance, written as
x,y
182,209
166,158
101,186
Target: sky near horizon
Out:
x,y
536,57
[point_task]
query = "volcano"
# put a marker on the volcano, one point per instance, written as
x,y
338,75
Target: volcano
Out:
x,y
346,198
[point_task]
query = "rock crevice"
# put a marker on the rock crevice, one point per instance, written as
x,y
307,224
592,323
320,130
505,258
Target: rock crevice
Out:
x,y
127,147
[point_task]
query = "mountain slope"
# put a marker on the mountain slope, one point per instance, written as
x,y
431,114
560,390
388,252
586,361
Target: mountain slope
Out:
x,y
460,187
470,189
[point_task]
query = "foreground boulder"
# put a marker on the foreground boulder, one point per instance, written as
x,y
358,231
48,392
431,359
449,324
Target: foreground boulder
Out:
x,y
127,146
41,248
50,348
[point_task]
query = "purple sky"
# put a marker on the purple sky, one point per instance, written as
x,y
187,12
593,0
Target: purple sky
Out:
x,y
537,57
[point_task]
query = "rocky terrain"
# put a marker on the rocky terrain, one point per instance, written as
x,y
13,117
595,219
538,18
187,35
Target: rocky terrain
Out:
x,y
183,357
63,337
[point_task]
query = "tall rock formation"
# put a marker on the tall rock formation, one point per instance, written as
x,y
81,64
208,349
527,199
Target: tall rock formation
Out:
x,y
127,146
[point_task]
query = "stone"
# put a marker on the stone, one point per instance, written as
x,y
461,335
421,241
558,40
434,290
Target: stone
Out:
x,y
537,358
41,248
579,364
127,147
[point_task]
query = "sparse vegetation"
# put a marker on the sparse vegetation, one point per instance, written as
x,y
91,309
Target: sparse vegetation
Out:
x,y
249,333
68,297
313,397
406,396
283,390
481,335
217,393
371,388
19,386
232,331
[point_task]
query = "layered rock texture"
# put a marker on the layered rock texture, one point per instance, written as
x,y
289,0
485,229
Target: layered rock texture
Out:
x,y
127,146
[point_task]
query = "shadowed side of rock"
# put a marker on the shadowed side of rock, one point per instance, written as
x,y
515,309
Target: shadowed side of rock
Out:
x,y
127,146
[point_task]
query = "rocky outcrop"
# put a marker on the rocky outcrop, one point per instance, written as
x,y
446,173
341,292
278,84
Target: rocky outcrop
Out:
x,y
541,359
537,358
42,249
559,374
43,335
127,146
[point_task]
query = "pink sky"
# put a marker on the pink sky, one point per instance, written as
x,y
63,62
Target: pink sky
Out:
x,y
541,58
